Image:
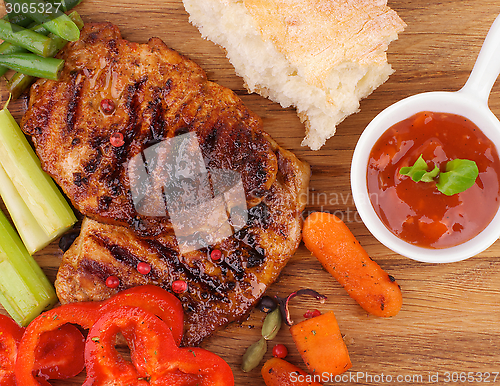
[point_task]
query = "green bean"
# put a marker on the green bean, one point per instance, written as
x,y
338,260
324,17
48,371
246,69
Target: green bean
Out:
x,y
58,43
23,20
18,19
33,65
54,20
9,48
66,5
18,83
25,38
75,16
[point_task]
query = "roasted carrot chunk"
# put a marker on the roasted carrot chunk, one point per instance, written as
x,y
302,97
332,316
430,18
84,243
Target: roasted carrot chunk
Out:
x,y
278,372
321,346
336,248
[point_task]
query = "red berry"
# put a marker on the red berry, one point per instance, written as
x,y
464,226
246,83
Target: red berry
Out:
x,y
312,314
143,268
116,139
179,286
216,255
112,282
280,351
107,106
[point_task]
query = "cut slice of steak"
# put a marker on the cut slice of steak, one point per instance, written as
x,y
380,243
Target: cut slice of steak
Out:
x,y
157,94
218,292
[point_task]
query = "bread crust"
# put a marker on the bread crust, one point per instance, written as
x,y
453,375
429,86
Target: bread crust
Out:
x,y
317,35
320,56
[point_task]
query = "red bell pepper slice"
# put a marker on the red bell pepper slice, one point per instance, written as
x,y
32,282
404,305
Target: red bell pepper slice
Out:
x,y
83,314
155,357
59,353
155,300
10,336
34,367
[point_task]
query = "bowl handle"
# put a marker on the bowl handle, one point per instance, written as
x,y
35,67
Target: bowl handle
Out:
x,y
487,66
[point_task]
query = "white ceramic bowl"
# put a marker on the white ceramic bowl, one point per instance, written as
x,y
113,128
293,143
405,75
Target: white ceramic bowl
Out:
x,y
472,102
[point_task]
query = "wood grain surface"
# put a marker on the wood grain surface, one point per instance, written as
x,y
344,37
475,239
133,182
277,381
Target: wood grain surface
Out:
x,y
450,321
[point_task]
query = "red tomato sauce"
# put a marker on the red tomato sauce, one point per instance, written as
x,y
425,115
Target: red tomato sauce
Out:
x,y
418,212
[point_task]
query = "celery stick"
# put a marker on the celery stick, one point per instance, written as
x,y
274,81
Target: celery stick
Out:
x,y
38,190
32,234
25,291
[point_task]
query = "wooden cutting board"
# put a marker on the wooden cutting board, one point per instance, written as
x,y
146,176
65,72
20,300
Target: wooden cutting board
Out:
x,y
449,325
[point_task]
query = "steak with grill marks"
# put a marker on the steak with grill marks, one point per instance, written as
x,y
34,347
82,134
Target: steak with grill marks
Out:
x,y
160,95
218,292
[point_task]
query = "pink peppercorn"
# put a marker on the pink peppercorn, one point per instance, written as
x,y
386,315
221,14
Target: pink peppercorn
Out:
x,y
143,268
112,282
216,255
107,106
179,286
116,139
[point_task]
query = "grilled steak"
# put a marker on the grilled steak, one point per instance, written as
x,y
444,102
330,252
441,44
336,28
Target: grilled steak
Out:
x,y
160,96
218,292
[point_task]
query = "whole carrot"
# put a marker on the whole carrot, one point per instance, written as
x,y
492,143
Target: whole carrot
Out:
x,y
336,248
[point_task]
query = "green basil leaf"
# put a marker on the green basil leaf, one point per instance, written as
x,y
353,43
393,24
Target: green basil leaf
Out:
x,y
460,175
418,172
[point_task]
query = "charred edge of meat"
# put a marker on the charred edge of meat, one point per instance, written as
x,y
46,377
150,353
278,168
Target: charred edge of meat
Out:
x,y
44,114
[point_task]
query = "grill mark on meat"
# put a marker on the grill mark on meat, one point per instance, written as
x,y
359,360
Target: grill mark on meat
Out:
x,y
104,202
157,125
97,269
211,138
123,255
259,215
157,120
255,255
79,179
112,47
91,166
192,274
133,107
168,86
233,262
75,90
91,37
